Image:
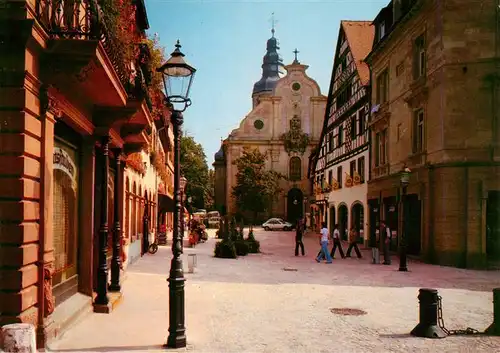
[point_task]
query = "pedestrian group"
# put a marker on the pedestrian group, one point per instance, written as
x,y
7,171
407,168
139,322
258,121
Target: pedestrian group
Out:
x,y
379,243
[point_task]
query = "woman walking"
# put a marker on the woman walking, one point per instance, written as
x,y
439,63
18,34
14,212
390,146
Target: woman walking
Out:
x,y
337,243
324,245
353,243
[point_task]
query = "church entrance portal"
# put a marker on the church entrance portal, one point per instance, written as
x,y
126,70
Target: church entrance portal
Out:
x,y
295,202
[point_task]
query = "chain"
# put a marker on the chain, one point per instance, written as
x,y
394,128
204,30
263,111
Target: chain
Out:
x,y
467,331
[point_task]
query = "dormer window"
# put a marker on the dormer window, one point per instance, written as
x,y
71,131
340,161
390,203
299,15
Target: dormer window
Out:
x,y
381,30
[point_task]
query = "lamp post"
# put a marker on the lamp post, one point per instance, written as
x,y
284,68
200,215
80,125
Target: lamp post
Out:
x,y
177,78
182,185
326,197
404,180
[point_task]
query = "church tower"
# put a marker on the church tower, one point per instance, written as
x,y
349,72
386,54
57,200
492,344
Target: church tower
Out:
x,y
272,70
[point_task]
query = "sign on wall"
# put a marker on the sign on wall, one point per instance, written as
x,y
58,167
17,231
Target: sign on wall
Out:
x,y
63,162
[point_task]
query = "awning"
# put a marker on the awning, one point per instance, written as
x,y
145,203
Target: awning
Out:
x,y
166,204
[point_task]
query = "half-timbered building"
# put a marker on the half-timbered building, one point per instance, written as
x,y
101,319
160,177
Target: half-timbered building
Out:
x,y
341,161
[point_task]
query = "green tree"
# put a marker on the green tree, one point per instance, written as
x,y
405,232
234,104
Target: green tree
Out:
x,y
256,188
195,169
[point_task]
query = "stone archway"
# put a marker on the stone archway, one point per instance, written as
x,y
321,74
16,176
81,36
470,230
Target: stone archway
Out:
x,y
342,220
295,201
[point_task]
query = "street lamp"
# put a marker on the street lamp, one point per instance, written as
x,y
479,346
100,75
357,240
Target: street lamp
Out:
x,y
182,185
404,180
326,197
177,79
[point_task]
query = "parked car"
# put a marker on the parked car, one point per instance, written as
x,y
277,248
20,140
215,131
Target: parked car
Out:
x,y
277,224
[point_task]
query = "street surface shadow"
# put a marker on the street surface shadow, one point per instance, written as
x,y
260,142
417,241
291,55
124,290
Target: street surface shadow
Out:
x,y
396,335
115,349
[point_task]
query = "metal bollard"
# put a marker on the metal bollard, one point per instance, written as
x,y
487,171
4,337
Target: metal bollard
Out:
x,y
192,262
428,312
494,329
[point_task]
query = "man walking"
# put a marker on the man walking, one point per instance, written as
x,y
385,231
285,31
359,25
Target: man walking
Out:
x,y
385,239
299,232
324,245
337,243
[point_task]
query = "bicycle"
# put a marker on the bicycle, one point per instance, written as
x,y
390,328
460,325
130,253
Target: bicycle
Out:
x,y
153,247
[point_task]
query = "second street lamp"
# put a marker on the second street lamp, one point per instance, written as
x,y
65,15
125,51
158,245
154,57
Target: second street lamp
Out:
x,y
404,180
177,78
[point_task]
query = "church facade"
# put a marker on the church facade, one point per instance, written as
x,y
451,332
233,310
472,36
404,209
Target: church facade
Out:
x,y
285,123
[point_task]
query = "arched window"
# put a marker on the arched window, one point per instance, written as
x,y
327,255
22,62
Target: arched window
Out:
x,y
295,172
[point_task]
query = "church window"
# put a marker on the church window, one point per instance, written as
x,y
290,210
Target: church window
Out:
x,y
295,169
296,86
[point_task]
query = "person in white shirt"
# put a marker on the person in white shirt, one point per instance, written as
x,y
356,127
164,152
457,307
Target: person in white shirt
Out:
x,y
324,245
337,243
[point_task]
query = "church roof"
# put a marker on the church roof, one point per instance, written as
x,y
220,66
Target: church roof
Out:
x,y
272,67
360,35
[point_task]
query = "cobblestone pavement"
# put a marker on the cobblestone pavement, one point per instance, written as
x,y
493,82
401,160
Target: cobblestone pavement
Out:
x,y
275,302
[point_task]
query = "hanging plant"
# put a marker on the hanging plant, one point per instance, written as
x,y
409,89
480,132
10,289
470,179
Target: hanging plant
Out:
x,y
134,161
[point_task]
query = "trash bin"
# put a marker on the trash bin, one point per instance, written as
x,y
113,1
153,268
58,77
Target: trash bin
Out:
x,y
191,262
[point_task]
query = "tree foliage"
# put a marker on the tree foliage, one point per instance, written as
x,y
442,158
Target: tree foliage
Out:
x,y
256,188
195,169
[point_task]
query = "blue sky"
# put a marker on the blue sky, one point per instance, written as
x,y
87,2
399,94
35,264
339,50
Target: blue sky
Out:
x,y
226,39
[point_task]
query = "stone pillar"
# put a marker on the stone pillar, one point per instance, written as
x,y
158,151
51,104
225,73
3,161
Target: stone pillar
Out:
x,y
101,302
118,206
87,199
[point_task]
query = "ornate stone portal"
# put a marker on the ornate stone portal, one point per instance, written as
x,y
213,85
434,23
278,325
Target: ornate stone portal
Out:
x,y
295,140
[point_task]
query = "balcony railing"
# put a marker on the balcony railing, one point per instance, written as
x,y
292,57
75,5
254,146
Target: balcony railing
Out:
x,y
84,20
63,19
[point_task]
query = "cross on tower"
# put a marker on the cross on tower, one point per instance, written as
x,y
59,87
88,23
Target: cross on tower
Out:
x,y
296,52
273,23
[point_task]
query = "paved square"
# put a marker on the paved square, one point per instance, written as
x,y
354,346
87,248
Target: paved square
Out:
x,y
252,304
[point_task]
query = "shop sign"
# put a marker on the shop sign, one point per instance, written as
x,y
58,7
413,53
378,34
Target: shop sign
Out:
x,y
63,162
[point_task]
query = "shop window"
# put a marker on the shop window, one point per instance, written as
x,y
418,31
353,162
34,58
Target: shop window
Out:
x,y
65,211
